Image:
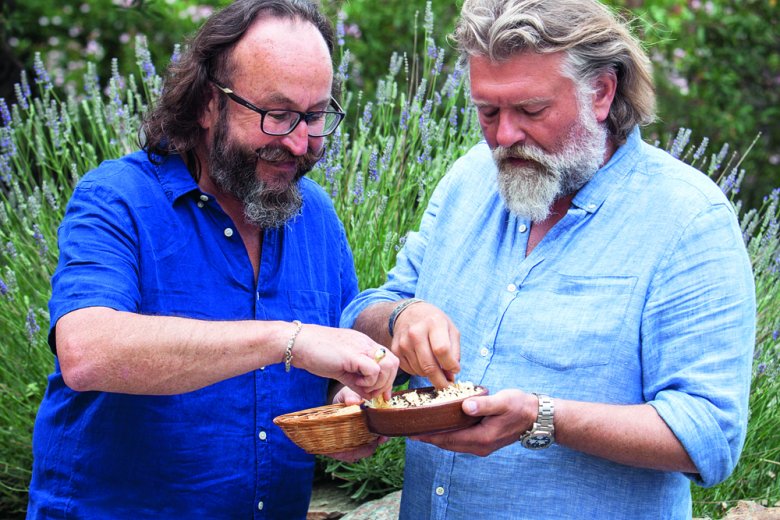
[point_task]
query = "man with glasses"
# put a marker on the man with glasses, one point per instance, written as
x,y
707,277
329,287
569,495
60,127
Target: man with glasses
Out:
x,y
198,289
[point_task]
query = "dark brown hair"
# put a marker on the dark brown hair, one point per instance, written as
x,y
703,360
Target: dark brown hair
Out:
x,y
172,126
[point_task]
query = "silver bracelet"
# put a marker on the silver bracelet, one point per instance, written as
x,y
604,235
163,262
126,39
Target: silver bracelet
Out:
x,y
398,310
288,352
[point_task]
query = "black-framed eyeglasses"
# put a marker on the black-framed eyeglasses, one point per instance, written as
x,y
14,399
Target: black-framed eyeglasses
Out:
x,y
282,122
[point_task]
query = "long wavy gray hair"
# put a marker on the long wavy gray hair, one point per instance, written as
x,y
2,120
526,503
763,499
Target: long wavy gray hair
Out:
x,y
594,39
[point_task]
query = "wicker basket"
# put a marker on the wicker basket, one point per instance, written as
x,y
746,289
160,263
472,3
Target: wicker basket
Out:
x,y
326,429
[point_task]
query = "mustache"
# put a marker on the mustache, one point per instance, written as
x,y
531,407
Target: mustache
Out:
x,y
273,154
519,151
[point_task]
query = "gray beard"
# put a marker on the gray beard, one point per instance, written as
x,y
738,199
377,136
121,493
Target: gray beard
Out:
x,y
530,191
234,171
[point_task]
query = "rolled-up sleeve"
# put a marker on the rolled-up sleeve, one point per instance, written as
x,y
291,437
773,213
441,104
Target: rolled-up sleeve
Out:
x,y
697,348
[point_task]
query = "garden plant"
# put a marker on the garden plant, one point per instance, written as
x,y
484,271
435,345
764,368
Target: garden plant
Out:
x,y
379,168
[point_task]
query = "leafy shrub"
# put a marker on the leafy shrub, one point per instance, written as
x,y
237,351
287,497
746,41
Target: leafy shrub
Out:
x,y
718,70
380,169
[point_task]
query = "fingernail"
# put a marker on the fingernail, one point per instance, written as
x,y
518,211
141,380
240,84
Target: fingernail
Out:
x,y
470,407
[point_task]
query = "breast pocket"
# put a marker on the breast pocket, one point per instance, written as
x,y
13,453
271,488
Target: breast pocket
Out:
x,y
568,322
316,307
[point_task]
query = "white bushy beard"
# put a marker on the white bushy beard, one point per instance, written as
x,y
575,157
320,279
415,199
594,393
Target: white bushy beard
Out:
x,y
530,191
233,169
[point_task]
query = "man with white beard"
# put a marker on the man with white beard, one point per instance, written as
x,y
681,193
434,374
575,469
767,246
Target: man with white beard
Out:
x,y
598,287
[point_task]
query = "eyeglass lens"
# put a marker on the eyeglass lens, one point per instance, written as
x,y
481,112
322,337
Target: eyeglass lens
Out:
x,y
281,122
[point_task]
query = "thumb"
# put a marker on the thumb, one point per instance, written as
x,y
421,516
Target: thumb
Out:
x,y
477,406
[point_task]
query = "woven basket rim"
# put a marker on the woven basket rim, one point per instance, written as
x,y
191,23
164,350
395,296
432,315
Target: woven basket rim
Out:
x,y
321,430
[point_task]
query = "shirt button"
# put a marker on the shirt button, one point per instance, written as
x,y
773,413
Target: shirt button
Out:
x,y
440,491
204,198
484,352
200,204
263,436
511,287
523,228
591,206
260,506
228,232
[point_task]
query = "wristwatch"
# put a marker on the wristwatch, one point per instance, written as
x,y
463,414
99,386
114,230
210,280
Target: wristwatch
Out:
x,y
542,433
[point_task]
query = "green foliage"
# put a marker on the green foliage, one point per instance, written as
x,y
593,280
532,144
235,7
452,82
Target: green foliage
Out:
x,y
372,29
374,476
73,34
400,137
718,70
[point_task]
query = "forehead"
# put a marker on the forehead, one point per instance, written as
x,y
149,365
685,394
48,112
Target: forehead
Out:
x,y
521,77
283,56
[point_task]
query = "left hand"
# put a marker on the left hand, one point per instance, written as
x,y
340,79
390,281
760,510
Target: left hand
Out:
x,y
350,397
506,415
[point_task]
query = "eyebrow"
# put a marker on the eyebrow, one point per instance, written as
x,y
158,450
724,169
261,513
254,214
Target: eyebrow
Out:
x,y
524,103
277,98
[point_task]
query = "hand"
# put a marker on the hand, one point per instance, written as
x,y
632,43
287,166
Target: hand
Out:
x,y
347,356
427,343
506,416
349,397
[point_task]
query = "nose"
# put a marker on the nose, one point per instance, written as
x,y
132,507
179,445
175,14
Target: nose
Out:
x,y
509,129
297,141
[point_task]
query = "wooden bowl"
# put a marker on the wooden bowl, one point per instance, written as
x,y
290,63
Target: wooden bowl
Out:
x,y
326,429
423,419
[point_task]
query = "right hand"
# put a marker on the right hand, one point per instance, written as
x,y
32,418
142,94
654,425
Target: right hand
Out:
x,y
427,343
347,356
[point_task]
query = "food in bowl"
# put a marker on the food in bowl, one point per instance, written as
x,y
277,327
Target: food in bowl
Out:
x,y
426,396
425,411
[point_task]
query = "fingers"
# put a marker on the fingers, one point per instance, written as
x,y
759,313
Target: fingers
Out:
x,y
428,344
347,396
356,454
373,378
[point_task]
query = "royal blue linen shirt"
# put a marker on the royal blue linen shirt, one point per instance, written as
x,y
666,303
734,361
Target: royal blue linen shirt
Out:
x,y
642,293
143,238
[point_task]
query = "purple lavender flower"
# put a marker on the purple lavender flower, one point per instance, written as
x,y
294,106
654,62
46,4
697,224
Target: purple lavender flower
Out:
x,y
32,325
340,28
20,97
5,168
680,142
176,53
144,57
3,288
405,118
10,250
43,249
373,173
5,114
42,77
453,118
357,189
701,149
367,116
343,71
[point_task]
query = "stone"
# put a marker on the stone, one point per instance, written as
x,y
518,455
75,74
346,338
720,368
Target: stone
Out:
x,y
752,511
385,508
329,502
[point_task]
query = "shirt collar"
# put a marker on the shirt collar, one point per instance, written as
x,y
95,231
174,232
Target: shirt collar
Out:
x,y
175,178
594,193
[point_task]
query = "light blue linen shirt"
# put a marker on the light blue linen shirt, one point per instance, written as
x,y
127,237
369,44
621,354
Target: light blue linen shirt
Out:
x,y
642,293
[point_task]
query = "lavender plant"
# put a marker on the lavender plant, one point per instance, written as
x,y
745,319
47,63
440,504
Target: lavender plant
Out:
x,y
380,169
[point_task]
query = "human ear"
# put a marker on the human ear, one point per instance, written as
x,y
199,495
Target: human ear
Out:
x,y
208,116
604,88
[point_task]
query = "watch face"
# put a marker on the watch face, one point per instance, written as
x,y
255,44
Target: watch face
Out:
x,y
537,441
